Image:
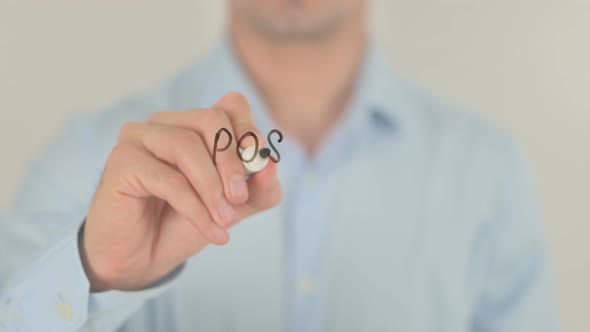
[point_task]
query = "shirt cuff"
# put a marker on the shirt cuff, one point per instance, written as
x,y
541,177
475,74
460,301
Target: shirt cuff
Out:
x,y
53,294
115,301
49,295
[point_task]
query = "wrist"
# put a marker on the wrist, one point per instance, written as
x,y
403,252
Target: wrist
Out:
x,y
97,284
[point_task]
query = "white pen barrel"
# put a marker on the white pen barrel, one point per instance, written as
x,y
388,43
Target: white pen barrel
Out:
x,y
256,165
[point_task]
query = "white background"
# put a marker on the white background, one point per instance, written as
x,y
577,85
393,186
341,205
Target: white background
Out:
x,y
522,64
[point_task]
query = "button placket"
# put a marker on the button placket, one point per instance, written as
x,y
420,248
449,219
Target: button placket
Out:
x,y
308,231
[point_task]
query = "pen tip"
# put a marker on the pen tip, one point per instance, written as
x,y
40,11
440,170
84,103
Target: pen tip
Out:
x,y
264,152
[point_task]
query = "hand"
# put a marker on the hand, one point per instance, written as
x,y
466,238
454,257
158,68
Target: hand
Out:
x,y
161,199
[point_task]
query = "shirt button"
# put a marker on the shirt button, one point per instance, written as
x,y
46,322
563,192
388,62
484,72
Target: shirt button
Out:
x,y
306,286
64,311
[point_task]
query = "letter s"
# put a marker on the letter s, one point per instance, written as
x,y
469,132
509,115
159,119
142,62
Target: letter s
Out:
x,y
278,158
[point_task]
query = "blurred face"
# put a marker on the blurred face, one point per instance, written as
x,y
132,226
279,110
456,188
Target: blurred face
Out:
x,y
296,19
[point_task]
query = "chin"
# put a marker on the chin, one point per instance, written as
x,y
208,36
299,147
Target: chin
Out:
x,y
296,19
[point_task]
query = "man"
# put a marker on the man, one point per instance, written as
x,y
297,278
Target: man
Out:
x,y
389,211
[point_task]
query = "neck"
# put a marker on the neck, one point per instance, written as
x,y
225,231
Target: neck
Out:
x,y
306,85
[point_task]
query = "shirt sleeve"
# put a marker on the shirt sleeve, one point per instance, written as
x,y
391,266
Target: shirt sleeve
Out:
x,y
518,293
43,286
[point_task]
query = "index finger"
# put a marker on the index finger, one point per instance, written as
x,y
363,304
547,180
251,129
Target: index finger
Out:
x,y
239,112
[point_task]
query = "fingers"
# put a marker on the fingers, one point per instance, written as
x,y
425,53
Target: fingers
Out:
x,y
264,188
156,178
240,114
233,113
186,150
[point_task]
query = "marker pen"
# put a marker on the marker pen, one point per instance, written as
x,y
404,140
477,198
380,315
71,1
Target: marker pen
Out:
x,y
259,162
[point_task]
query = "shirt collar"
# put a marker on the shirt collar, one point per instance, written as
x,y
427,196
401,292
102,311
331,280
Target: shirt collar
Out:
x,y
375,98
373,104
225,74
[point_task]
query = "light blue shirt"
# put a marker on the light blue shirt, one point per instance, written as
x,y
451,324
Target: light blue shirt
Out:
x,y
414,216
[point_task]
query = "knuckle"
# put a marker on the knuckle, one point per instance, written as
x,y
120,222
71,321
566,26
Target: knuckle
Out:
x,y
235,98
156,116
153,172
128,129
236,101
176,181
121,157
122,151
185,138
179,187
209,188
200,218
214,116
245,139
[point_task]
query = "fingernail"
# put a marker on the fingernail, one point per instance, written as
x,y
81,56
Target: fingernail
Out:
x,y
238,187
226,212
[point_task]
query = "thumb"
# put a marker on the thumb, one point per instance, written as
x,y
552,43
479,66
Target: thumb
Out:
x,y
264,191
